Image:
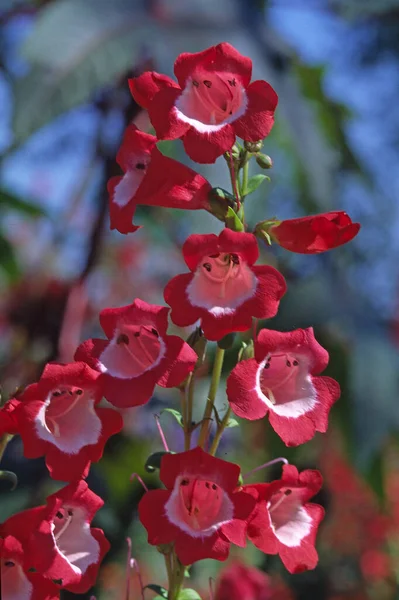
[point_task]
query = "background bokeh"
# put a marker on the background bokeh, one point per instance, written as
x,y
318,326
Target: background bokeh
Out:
x,y
64,103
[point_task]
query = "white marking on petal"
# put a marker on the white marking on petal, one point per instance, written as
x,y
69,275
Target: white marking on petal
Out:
x,y
127,187
221,297
290,524
14,583
73,428
74,542
207,127
121,373
306,401
173,507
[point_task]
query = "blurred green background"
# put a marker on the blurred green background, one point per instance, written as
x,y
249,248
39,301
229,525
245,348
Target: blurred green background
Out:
x,y
64,101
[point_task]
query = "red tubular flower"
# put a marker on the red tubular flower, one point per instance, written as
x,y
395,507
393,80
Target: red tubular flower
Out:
x,y
58,418
315,234
53,544
138,354
281,380
224,289
212,102
200,510
153,179
284,522
243,582
16,581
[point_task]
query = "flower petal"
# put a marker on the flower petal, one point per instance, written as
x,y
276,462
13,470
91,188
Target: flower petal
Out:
x,y
258,119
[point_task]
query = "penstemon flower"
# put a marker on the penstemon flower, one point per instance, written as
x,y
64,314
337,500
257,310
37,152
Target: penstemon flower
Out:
x,y
53,546
283,382
316,233
213,101
59,418
153,179
224,289
201,510
203,507
138,354
284,522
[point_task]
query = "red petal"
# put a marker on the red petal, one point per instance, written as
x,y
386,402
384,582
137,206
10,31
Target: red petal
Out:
x,y
164,117
206,147
152,515
147,85
190,549
135,142
220,58
298,340
258,119
197,246
241,393
182,313
201,464
121,217
178,362
171,184
139,312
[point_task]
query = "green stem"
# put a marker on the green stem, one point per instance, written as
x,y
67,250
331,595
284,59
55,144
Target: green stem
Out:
x,y
234,182
177,579
206,419
219,432
190,403
184,414
244,183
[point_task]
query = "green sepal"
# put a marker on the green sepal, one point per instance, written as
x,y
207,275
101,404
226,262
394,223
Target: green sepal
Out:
x,y
188,594
11,477
153,462
161,591
232,423
175,414
232,220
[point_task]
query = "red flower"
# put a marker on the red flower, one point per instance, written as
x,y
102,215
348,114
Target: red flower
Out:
x,y
153,179
243,582
224,289
138,354
8,423
200,510
212,102
281,381
16,581
57,542
314,234
284,522
59,418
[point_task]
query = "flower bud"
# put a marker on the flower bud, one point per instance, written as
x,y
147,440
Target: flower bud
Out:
x,y
264,161
220,200
253,147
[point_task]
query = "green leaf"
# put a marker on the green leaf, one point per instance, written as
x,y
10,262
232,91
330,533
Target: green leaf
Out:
x,y
75,49
254,182
232,220
8,261
153,462
12,202
175,414
232,423
189,594
161,591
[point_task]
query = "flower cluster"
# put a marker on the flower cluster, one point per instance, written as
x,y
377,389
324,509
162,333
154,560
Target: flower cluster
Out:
x,y
204,506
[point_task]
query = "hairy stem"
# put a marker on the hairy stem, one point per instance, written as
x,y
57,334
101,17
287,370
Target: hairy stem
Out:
x,y
219,432
206,420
